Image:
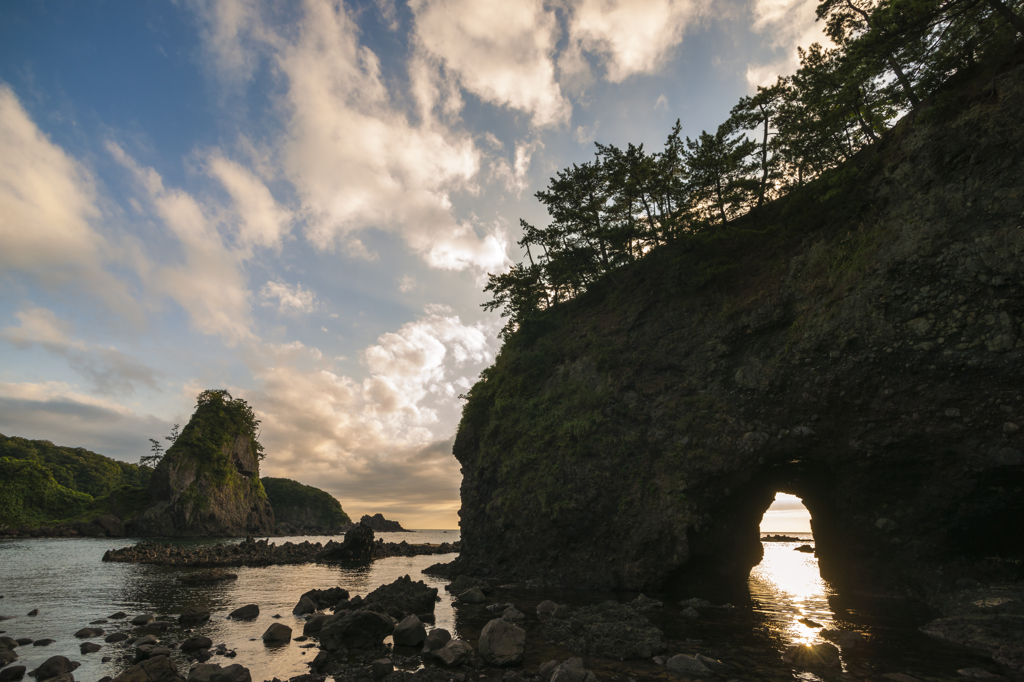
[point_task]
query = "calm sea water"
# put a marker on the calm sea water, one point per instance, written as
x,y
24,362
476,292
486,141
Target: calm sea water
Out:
x,y
67,581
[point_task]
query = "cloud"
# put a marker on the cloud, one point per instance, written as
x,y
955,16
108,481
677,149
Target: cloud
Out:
x,y
513,175
209,282
48,204
109,370
406,284
259,219
501,51
790,24
56,412
630,36
226,28
587,134
290,299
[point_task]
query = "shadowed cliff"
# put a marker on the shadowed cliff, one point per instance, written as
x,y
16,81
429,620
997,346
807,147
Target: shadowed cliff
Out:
x,y
857,343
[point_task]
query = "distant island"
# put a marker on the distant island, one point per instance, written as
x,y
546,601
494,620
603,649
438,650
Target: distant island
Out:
x,y
381,525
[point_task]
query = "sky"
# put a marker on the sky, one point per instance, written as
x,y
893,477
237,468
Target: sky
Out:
x,y
787,514
300,202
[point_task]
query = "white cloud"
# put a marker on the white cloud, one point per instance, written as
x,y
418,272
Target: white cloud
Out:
x,y
48,204
209,284
630,36
790,24
226,28
587,134
501,51
661,103
406,284
260,220
109,370
513,175
289,299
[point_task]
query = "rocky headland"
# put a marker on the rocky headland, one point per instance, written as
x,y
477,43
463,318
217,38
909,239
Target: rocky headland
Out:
x,y
381,525
208,483
858,343
301,509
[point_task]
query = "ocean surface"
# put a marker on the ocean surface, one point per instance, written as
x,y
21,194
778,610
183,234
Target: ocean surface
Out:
x,y
70,585
785,602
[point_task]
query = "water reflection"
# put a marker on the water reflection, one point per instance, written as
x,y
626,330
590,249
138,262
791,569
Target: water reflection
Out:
x,y
788,589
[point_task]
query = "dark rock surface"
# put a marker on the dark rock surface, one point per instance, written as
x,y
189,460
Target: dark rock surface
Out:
x,y
381,525
355,630
866,355
156,669
403,597
608,629
358,547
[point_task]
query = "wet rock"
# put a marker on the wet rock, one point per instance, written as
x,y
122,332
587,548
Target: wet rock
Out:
x,y
277,633
203,672
821,656
247,612
143,619
101,621
326,599
804,548
89,647
156,669
43,642
572,670
513,615
146,651
463,583
381,668
12,674
146,639
54,666
810,623
502,643
7,656
455,652
436,639
358,547
87,633
24,641
409,632
546,670
404,596
355,630
304,606
118,616
9,643
712,664
473,595
688,665
608,629
999,635
315,623
33,612
232,673
116,637
196,642
193,615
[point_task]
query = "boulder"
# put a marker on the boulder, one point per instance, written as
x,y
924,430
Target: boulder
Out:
x,y
7,656
277,633
12,674
315,624
118,615
410,632
473,595
146,639
156,669
146,651
116,637
9,643
455,652
247,612
463,583
304,606
572,670
436,639
404,597
54,666
502,643
513,615
358,547
326,599
87,633
687,665
89,647
381,668
232,673
193,615
203,672
355,630
196,642
822,656
143,619
46,641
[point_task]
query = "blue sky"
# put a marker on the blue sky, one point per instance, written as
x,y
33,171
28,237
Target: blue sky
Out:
x,y
300,202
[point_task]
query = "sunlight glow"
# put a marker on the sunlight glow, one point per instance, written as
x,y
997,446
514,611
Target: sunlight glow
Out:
x,y
787,514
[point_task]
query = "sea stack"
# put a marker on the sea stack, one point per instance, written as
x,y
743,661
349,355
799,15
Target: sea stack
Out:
x,y
208,483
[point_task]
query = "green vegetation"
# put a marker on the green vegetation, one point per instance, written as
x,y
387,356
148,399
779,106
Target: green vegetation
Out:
x,y
625,205
303,505
77,469
29,495
218,420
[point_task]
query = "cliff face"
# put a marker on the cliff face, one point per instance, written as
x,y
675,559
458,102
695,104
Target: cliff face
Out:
x,y
860,345
208,483
300,508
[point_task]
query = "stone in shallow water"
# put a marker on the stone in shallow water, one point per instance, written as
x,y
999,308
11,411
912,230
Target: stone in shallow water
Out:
x,y
410,632
277,633
685,664
502,643
245,612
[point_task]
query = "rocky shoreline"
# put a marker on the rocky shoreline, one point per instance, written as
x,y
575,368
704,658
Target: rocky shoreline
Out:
x,y
252,552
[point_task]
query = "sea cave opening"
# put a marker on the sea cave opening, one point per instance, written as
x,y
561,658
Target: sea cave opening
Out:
x,y
786,586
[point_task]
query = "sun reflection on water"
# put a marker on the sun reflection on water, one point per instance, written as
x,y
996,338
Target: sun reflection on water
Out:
x,y
787,587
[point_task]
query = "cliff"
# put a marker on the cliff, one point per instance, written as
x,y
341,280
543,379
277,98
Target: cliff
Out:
x,y
208,484
303,509
858,344
378,523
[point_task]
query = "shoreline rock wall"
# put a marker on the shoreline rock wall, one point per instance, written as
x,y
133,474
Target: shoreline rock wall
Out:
x,y
862,348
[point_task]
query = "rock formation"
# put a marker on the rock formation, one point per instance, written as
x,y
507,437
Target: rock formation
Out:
x,y
381,525
208,483
858,343
304,510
